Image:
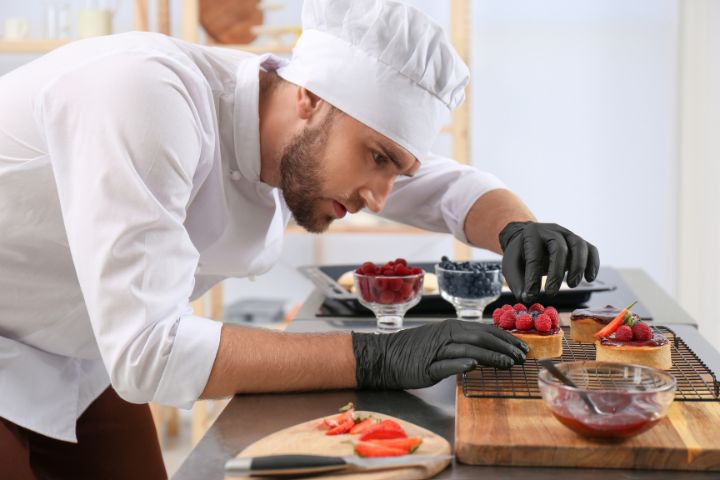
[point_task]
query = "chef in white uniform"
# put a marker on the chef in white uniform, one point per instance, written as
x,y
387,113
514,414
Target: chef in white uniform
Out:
x,y
138,170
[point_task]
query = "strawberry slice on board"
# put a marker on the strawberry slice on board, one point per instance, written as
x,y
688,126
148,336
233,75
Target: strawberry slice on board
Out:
x,y
336,420
366,449
382,434
344,427
410,444
363,426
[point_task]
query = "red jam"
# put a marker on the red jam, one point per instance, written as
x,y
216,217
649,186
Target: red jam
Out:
x,y
601,315
627,427
532,331
656,341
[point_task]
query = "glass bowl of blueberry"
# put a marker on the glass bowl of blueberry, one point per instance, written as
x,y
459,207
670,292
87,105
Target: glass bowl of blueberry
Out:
x,y
469,286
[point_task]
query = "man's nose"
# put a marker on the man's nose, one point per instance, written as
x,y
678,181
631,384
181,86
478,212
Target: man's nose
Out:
x,y
376,195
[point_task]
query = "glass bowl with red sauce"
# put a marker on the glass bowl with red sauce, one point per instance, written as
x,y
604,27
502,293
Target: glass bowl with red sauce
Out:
x,y
630,399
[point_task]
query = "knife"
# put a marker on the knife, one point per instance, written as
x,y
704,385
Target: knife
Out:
x,y
302,465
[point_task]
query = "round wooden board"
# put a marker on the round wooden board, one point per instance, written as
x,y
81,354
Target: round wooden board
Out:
x,y
230,21
309,438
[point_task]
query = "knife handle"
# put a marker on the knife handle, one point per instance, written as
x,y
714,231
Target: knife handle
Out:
x,y
285,465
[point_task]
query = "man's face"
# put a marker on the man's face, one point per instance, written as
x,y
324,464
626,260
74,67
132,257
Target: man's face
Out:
x,y
337,166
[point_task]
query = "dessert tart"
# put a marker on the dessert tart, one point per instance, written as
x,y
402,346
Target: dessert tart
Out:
x,y
586,322
537,326
626,339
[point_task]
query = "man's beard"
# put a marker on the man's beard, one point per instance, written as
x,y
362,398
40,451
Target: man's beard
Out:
x,y
301,179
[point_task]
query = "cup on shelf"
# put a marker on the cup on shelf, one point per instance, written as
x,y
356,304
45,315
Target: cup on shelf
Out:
x,y
57,20
16,28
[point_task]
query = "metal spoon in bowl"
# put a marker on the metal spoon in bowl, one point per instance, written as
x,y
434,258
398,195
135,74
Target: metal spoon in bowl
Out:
x,y
550,366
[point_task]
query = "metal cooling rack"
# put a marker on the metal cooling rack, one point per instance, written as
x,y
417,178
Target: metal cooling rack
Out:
x,y
695,381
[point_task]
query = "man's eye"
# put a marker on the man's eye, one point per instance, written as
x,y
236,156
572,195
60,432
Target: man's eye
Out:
x,y
380,160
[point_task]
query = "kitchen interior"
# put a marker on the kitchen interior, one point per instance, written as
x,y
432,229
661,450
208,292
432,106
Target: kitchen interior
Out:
x,y
600,114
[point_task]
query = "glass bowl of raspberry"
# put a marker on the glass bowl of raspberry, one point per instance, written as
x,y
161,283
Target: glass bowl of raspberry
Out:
x,y
389,291
620,400
469,286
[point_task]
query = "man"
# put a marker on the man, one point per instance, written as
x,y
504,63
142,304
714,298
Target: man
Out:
x,y
136,171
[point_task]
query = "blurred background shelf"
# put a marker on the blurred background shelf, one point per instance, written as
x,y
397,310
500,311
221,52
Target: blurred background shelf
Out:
x,y
30,45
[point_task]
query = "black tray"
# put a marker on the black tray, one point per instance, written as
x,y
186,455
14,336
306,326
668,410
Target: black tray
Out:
x,y
339,302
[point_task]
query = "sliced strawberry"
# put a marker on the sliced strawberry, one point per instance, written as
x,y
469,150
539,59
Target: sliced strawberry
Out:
x,y
344,427
615,323
382,434
408,444
388,424
336,420
365,449
362,426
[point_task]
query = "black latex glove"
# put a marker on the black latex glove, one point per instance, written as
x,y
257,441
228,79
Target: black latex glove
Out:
x,y
422,356
531,250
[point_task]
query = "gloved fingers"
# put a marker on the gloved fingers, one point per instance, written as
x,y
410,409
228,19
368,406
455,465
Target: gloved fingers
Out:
x,y
513,267
535,257
593,263
478,351
477,333
578,259
557,248
444,368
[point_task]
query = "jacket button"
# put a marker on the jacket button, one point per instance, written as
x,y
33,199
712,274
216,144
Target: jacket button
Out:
x,y
235,175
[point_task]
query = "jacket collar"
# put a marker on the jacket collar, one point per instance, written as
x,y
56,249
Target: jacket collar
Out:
x,y
246,117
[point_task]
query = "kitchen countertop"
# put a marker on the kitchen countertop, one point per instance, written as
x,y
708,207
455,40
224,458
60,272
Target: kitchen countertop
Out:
x,y
248,418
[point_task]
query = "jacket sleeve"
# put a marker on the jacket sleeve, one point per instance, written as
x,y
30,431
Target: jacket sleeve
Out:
x,y
439,196
125,140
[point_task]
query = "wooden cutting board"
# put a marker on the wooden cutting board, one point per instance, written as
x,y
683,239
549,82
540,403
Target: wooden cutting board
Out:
x,y
309,438
523,432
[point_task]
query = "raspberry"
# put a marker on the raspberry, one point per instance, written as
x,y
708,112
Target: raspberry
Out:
x,y
507,320
624,333
536,307
543,323
507,307
524,322
641,332
553,314
367,268
496,316
401,261
519,307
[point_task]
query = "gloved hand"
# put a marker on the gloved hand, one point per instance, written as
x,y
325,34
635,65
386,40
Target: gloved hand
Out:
x,y
422,356
531,250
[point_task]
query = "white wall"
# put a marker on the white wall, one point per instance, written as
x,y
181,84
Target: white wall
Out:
x,y
574,107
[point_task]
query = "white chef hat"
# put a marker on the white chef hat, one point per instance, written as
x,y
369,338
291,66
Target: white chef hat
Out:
x,y
382,62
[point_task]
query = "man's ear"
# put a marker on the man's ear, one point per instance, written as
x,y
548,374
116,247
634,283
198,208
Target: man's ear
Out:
x,y
307,104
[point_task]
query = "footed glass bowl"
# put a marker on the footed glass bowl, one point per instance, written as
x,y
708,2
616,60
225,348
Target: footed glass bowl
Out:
x,y
470,291
389,297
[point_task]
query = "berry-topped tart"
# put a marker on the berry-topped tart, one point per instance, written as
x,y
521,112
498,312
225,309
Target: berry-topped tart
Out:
x,y
537,326
628,340
586,322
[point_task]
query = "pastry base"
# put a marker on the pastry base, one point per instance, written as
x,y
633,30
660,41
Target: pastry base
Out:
x,y
651,356
542,346
583,329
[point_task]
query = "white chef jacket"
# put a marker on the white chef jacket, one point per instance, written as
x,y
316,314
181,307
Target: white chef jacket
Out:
x,y
129,184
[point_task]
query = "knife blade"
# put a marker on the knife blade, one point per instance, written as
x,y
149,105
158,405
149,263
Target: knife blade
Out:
x,y
301,465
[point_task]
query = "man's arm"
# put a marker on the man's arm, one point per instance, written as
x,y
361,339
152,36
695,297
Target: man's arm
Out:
x,y
252,360
490,214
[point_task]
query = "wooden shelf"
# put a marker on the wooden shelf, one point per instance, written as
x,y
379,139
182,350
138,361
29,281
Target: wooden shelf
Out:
x,y
30,45
349,228
270,48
